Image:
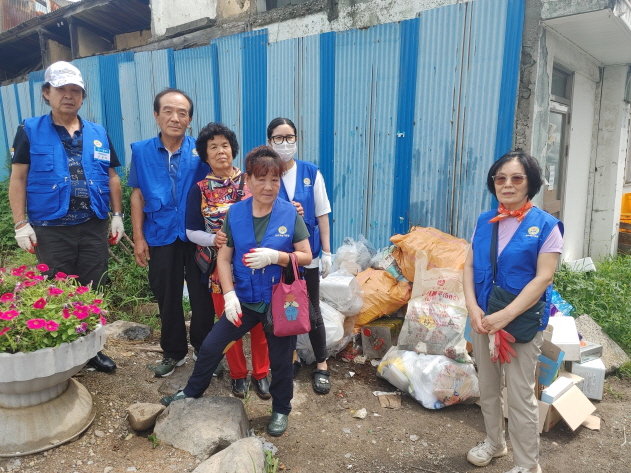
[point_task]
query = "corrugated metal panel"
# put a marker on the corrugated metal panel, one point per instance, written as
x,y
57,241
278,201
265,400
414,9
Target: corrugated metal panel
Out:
x,y
130,108
153,74
36,80
283,77
195,74
307,92
11,113
254,89
441,34
24,93
230,76
93,108
4,142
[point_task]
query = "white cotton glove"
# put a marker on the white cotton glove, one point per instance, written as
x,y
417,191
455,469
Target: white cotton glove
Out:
x,y
325,263
232,308
26,238
117,229
258,258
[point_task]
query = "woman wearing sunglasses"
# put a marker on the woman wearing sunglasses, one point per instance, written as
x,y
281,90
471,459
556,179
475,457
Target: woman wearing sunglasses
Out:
x,y
302,182
515,250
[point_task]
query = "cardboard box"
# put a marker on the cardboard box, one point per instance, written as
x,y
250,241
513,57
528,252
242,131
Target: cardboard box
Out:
x,y
549,361
594,374
559,387
565,336
589,351
379,335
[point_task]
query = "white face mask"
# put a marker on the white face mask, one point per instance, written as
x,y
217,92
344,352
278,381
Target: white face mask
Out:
x,y
285,150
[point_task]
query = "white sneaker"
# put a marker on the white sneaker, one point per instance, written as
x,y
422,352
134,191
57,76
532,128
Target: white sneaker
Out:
x,y
521,469
484,452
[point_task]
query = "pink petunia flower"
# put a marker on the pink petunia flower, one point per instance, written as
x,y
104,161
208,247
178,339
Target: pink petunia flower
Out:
x,y
4,330
9,315
40,303
82,289
60,275
66,313
103,321
18,271
36,323
42,268
73,276
29,283
3,270
94,309
55,291
81,328
29,274
37,277
8,297
97,301
52,326
81,313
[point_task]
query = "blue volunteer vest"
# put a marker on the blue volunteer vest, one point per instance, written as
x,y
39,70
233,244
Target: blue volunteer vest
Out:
x,y
48,182
255,285
165,220
517,263
305,179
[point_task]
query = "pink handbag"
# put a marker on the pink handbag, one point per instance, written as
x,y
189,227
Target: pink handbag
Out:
x,y
290,305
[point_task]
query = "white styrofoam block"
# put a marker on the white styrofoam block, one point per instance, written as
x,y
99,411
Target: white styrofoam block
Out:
x,y
556,389
593,373
565,336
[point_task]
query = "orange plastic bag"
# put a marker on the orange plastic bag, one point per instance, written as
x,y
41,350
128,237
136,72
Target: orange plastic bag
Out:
x,y
443,250
383,294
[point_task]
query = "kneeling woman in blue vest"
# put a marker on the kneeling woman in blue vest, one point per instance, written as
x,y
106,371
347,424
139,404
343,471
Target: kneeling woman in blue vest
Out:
x,y
261,232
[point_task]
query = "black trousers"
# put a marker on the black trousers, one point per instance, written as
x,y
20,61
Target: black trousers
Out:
x,y
75,249
317,335
169,265
280,351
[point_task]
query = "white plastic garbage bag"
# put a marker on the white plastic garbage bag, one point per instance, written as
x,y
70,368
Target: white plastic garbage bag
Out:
x,y
433,380
342,291
334,326
354,256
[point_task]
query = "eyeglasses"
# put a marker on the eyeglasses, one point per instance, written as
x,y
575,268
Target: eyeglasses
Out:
x,y
516,179
278,139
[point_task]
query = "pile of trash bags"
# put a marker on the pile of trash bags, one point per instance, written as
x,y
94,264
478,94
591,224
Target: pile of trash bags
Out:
x,y
419,276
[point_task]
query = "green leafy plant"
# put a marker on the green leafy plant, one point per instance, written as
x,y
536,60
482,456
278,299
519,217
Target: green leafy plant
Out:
x,y
38,313
604,294
154,440
625,370
271,463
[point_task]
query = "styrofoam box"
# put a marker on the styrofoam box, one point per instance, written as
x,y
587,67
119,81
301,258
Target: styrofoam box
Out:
x,y
565,336
593,373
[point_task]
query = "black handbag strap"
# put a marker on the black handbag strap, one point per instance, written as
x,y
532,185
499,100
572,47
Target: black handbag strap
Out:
x,y
494,249
240,189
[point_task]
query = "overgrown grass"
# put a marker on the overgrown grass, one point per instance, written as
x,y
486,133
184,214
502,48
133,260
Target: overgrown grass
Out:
x,y
604,294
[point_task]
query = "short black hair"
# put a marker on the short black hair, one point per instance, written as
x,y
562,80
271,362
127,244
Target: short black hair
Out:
x,y
276,122
531,168
170,90
262,160
208,133
47,86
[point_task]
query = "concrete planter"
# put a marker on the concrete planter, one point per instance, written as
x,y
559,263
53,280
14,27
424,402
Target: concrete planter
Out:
x,y
40,406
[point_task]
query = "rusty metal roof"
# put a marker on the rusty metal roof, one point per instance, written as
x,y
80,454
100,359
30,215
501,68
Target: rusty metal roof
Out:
x,y
20,46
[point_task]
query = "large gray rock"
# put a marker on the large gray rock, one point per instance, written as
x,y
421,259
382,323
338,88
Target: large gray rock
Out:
x,y
203,426
613,356
142,415
243,456
124,330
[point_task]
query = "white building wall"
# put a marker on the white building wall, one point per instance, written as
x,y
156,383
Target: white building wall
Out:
x,y
168,13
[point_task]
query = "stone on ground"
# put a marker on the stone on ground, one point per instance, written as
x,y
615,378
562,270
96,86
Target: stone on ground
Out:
x,y
613,356
142,415
124,330
203,426
245,456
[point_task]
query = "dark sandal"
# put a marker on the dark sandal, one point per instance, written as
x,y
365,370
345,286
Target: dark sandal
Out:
x,y
320,382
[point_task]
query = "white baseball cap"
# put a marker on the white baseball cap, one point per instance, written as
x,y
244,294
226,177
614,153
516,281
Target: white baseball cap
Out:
x,y
62,73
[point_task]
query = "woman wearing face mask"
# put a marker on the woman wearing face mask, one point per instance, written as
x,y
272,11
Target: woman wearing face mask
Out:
x,y
302,183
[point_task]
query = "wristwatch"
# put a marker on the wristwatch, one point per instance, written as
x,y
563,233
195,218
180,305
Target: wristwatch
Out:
x,y
118,214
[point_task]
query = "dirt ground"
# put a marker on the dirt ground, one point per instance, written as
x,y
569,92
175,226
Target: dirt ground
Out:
x,y
322,435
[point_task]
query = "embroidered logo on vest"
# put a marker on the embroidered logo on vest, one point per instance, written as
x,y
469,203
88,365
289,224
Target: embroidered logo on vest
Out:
x,y
533,231
306,181
97,143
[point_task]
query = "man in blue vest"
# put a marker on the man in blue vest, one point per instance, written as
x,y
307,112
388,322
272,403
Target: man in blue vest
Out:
x,y
63,176
163,170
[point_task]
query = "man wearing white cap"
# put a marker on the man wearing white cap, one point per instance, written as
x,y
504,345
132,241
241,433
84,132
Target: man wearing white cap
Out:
x,y
63,177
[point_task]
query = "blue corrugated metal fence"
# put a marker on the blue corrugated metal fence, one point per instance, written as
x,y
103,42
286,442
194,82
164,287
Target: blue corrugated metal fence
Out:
x,y
404,119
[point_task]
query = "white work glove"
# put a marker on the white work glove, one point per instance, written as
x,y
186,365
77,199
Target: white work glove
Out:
x,y
232,308
258,258
117,229
26,238
325,263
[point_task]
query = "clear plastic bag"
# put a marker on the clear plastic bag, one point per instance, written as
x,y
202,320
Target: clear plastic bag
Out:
x,y
354,256
334,326
341,290
433,380
385,260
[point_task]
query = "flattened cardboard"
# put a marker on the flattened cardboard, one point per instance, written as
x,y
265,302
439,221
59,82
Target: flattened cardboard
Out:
x,y
574,407
592,423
